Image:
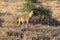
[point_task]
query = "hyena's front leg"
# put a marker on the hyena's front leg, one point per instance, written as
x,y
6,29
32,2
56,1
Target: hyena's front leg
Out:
x,y
28,25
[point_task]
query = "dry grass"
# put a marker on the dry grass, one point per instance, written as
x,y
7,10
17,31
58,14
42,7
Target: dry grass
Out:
x,y
10,31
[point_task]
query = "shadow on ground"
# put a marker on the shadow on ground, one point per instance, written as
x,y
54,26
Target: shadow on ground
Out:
x,y
44,19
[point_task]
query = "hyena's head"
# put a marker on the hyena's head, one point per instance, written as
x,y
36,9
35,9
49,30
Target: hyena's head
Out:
x,y
31,13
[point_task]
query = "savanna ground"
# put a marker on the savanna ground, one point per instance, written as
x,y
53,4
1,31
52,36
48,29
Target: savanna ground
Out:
x,y
9,30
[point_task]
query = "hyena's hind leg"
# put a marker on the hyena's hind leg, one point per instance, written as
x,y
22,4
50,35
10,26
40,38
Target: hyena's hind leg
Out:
x,y
20,23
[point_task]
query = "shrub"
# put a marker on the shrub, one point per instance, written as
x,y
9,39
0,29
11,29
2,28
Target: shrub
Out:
x,y
42,10
28,7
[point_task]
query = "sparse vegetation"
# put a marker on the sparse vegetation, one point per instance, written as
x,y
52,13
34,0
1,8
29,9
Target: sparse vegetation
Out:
x,y
28,7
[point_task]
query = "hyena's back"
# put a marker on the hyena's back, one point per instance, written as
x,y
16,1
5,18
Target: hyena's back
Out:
x,y
23,18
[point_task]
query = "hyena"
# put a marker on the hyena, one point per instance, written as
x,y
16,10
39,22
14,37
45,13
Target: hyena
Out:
x,y
24,18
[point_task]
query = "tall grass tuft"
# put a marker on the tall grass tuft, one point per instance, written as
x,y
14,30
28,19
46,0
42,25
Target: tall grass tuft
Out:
x,y
28,7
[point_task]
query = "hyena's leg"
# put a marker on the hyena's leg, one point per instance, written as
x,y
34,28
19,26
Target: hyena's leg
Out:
x,y
20,22
26,21
28,25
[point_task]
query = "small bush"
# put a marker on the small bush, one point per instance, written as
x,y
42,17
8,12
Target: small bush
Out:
x,y
42,10
28,7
